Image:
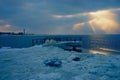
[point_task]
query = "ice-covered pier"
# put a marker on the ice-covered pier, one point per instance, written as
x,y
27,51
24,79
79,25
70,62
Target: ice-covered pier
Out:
x,y
22,41
56,38
66,43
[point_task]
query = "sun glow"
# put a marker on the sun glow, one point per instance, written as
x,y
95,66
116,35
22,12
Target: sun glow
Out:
x,y
78,25
5,28
98,52
103,20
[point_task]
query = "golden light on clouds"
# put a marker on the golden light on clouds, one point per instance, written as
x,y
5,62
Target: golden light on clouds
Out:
x,y
57,16
103,13
103,20
63,16
70,16
3,29
92,26
7,26
78,25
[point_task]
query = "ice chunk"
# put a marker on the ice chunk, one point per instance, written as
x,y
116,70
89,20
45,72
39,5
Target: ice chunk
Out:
x,y
53,62
49,43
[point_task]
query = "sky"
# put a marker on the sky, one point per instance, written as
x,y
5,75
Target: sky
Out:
x,y
60,16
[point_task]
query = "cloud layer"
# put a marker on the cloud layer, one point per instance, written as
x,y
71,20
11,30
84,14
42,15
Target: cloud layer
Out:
x,y
60,16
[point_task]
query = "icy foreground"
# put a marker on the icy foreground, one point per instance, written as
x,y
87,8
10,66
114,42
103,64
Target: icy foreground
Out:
x,y
27,64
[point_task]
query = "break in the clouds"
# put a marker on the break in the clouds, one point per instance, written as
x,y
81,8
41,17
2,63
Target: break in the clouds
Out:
x,y
60,16
104,20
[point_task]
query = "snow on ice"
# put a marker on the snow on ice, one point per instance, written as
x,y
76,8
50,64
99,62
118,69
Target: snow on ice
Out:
x,y
28,64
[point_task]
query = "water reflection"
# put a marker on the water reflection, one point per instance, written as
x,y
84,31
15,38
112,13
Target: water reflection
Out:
x,y
112,50
98,52
104,51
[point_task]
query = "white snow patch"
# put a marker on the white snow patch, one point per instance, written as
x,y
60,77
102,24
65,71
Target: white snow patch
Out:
x,y
27,64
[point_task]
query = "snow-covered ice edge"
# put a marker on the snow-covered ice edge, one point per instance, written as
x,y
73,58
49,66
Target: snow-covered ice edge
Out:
x,y
28,64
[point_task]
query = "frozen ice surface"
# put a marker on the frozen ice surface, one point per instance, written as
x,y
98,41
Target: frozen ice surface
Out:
x,y
27,64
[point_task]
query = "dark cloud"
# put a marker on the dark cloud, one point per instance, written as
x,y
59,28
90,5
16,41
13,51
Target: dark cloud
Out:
x,y
36,15
73,6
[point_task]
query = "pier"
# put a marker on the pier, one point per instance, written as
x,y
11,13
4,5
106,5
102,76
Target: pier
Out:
x,y
66,43
42,40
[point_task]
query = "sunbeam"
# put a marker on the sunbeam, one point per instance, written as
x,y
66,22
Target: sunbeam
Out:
x,y
92,26
103,20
